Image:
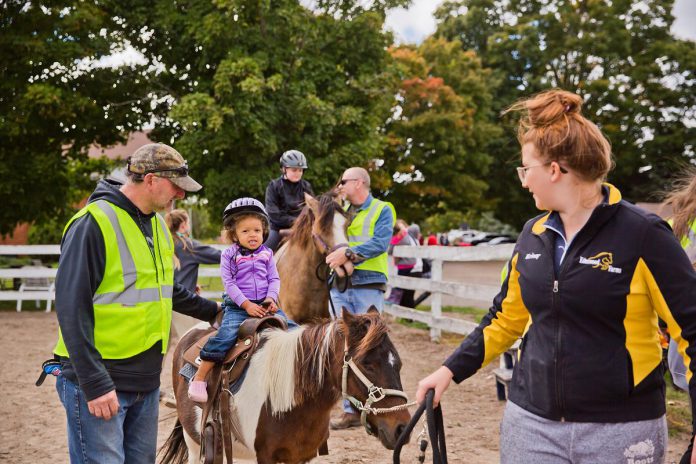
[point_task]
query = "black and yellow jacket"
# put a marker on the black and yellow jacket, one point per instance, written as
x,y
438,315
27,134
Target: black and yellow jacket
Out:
x,y
590,350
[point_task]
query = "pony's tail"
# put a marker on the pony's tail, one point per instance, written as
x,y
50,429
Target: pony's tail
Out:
x,y
174,450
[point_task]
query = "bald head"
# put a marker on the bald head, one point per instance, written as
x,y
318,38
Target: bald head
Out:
x,y
358,173
355,185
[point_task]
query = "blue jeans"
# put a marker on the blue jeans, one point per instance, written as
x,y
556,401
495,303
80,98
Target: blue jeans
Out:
x,y
356,300
216,347
128,437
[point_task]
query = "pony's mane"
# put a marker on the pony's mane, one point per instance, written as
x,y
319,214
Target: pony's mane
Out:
x,y
376,331
301,231
298,363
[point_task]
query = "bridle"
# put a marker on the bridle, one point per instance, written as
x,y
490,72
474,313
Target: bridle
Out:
x,y
375,394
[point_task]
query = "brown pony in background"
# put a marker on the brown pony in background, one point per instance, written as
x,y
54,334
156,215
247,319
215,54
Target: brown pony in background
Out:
x,y
320,228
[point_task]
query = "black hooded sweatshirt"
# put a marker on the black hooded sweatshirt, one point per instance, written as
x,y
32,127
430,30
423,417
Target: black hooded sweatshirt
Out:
x,y
80,271
284,201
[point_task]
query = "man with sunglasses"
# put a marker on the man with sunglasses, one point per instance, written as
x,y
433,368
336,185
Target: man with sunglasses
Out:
x,y
369,234
115,292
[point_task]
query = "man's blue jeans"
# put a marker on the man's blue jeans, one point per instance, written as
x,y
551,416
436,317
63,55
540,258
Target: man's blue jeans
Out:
x,y
129,437
356,300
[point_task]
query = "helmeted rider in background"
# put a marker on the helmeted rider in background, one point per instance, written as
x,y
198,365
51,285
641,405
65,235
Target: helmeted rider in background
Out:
x,y
285,195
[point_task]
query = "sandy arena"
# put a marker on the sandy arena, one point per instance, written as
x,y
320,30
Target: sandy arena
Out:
x,y
32,428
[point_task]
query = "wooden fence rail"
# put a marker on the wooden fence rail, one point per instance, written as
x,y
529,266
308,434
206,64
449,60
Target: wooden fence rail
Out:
x,y
435,285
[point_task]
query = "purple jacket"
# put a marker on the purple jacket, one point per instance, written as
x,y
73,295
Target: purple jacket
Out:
x,y
249,275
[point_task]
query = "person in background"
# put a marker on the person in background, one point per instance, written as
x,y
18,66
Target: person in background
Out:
x,y
404,266
371,225
285,195
189,253
682,200
432,239
585,286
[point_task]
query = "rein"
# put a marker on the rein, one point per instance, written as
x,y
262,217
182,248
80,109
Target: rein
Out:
x,y
435,429
326,250
374,393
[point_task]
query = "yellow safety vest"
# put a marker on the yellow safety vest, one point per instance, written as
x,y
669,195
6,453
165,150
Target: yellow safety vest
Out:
x,y
688,242
362,229
133,303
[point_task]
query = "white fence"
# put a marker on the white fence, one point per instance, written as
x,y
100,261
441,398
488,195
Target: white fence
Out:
x,y
437,287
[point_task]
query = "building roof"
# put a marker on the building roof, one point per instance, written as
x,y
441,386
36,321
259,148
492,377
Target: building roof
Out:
x,y
120,150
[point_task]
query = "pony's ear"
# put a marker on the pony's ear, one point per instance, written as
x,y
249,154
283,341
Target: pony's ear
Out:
x,y
347,316
373,309
311,202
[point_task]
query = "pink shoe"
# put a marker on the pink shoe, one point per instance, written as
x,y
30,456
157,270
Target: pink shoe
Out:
x,y
197,391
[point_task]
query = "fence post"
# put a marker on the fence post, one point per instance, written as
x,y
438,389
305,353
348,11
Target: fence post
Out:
x,y
436,301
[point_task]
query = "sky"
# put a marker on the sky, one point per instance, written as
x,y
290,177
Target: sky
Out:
x,y
414,24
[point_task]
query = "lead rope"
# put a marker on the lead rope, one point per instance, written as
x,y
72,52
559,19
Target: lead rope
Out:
x,y
435,428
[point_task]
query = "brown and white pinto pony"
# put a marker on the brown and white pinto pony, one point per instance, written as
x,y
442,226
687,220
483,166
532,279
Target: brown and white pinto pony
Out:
x,y
281,413
318,229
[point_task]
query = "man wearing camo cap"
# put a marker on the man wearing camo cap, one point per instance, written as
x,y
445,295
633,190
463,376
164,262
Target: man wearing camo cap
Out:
x,y
115,292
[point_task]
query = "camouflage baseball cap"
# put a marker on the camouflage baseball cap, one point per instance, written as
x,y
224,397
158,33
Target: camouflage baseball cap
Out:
x,y
163,161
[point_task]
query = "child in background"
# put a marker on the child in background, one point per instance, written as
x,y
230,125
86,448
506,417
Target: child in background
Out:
x,y
251,284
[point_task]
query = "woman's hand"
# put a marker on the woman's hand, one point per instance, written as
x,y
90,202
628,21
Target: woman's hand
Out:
x,y
439,380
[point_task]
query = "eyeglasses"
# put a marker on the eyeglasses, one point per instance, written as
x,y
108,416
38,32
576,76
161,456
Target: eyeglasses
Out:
x,y
522,170
345,181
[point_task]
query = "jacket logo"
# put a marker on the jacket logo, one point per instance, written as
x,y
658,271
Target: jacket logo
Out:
x,y
532,256
603,261
642,452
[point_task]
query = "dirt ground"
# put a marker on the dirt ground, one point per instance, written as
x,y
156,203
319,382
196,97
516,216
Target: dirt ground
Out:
x,y
32,421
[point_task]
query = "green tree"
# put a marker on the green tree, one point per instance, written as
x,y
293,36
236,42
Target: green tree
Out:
x,y
54,103
436,160
250,79
637,79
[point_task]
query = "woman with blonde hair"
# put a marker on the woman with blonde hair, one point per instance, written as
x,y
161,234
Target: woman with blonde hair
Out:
x,y
585,286
189,253
682,201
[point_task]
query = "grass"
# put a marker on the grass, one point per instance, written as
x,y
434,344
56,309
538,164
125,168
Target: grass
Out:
x,y
678,409
447,338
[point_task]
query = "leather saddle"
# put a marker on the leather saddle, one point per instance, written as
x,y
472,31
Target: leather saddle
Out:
x,y
247,342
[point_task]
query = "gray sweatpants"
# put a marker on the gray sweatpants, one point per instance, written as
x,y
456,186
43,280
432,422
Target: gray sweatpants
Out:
x,y
528,438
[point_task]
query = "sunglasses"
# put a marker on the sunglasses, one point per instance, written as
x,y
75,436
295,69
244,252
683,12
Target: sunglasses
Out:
x,y
181,171
345,181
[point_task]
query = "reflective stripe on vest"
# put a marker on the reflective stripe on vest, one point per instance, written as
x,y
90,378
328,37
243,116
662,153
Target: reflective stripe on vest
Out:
x,y
133,303
362,229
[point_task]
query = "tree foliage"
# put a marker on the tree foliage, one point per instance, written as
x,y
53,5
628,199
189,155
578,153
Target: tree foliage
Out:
x,y
54,103
435,160
252,79
638,81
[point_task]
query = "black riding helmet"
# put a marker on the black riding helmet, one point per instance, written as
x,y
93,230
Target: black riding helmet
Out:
x,y
293,159
246,205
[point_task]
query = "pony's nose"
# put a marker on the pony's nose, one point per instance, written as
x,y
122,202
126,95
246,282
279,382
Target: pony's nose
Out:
x,y
400,430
